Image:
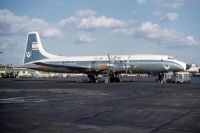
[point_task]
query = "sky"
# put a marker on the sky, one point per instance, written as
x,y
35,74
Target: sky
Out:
x,y
102,27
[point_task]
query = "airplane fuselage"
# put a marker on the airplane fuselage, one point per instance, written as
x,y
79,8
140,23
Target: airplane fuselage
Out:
x,y
36,57
100,64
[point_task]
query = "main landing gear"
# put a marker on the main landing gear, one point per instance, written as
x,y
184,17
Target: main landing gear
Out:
x,y
114,79
161,78
93,78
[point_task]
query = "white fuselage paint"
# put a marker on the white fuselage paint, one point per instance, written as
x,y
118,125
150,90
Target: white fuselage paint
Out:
x,y
137,64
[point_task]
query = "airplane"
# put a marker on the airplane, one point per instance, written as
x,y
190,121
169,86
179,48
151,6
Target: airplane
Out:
x,y
35,57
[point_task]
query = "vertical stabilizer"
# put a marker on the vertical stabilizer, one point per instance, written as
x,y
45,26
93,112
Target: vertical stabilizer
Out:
x,y
34,50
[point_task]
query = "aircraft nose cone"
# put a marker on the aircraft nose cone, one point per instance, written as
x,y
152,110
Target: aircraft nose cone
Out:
x,y
188,66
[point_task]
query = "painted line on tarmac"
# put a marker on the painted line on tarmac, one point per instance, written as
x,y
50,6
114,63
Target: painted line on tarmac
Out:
x,y
26,99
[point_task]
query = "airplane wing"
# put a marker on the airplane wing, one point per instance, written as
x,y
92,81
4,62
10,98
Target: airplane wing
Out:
x,y
72,67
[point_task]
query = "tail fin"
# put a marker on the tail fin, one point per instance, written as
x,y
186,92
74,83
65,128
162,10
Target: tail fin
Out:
x,y
34,50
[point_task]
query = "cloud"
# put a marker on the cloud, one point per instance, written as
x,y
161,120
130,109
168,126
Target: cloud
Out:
x,y
154,32
87,19
100,22
52,33
70,21
12,24
85,37
124,31
166,17
86,13
9,23
190,40
169,17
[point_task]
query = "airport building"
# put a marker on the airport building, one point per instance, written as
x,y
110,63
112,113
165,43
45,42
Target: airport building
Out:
x,y
7,71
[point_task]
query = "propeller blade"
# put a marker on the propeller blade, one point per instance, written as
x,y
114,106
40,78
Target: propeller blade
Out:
x,y
127,66
110,65
130,71
126,70
109,58
128,58
108,72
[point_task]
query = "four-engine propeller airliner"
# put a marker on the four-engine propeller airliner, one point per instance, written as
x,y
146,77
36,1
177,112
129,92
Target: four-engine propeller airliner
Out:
x,y
36,57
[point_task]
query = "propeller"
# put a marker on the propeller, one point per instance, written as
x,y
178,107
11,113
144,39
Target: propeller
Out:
x,y
127,66
111,62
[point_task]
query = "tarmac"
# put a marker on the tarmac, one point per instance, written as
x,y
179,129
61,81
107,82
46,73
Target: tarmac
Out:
x,y
65,106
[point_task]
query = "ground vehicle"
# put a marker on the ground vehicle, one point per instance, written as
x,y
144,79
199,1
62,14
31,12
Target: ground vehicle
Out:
x,y
179,77
7,72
